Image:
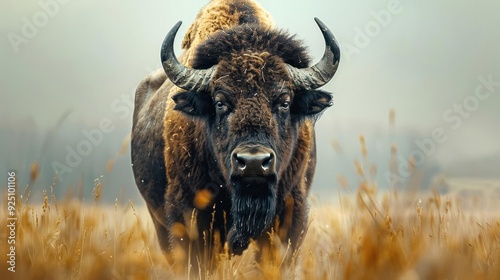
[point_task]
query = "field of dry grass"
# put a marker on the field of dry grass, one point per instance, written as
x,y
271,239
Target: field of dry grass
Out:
x,y
368,236
403,233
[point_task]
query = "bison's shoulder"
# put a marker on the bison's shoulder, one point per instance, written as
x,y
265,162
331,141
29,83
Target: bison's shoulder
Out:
x,y
147,142
146,89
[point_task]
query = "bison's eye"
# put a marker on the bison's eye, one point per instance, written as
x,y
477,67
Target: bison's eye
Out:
x,y
282,103
220,106
221,103
285,106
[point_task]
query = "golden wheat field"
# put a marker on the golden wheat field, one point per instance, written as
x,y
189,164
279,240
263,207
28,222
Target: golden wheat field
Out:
x,y
369,235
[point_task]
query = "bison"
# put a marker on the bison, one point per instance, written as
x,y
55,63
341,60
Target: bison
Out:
x,y
223,143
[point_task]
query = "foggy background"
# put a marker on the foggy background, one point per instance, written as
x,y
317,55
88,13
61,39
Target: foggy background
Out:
x,y
69,69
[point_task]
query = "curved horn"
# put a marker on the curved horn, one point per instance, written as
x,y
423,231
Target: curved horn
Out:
x,y
182,76
320,73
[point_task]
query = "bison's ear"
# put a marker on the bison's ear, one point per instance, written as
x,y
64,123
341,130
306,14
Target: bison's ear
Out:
x,y
193,103
311,102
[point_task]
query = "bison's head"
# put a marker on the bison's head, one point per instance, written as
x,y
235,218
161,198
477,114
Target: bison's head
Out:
x,y
253,88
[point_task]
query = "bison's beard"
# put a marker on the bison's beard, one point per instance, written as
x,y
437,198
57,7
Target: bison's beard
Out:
x,y
252,214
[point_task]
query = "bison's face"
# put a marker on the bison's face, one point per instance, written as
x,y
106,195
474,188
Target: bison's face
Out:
x,y
253,114
253,102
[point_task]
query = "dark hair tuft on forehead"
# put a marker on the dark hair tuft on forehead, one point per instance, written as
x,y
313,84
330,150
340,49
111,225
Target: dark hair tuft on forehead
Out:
x,y
250,38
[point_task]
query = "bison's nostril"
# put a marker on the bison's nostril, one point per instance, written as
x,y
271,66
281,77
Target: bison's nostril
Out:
x,y
240,161
266,163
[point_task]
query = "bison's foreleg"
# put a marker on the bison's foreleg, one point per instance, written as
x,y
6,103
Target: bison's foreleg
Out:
x,y
196,227
161,230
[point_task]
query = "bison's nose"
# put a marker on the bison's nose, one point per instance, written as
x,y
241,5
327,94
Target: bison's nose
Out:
x,y
253,161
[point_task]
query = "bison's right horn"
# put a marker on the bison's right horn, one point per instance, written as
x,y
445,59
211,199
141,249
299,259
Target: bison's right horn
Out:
x,y
320,73
182,76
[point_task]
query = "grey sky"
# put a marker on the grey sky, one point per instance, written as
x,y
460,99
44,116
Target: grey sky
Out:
x,y
89,55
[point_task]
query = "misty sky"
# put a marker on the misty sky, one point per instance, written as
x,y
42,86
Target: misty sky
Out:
x,y
424,61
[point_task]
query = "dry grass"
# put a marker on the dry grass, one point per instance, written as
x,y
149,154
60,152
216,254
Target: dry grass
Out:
x,y
399,234
369,236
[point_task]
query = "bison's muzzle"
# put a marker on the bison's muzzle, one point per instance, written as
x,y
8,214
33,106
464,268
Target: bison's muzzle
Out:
x,y
253,161
254,177
253,169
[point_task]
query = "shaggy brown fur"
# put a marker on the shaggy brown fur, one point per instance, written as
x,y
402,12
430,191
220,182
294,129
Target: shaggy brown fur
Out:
x,y
218,15
182,143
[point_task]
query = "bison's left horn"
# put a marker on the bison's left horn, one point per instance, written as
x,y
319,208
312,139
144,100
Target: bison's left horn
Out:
x,y
182,76
319,74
